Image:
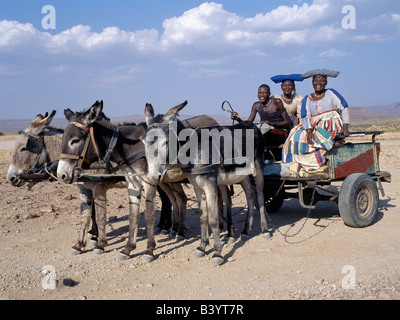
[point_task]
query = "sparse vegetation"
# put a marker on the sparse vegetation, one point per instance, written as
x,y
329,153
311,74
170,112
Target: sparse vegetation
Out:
x,y
381,125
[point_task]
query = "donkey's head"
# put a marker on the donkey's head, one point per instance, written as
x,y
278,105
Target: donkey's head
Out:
x,y
160,154
77,149
30,151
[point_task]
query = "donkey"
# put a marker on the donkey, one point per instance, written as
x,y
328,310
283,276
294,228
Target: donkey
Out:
x,y
37,149
90,135
204,177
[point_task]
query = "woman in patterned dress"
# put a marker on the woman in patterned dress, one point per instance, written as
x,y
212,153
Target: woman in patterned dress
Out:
x,y
325,115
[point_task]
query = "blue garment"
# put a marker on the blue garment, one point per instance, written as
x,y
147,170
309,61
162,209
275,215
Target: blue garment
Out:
x,y
331,101
290,77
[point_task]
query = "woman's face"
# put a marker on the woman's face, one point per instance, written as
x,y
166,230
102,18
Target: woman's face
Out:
x,y
319,83
287,87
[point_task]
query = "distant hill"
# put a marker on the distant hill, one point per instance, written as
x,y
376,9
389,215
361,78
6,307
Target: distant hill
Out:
x,y
136,118
357,114
390,111
12,126
375,113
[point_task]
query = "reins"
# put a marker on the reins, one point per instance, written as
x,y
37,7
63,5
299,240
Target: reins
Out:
x,y
35,144
82,157
102,163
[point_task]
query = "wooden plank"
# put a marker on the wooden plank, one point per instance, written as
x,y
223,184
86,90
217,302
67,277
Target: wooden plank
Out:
x,y
354,158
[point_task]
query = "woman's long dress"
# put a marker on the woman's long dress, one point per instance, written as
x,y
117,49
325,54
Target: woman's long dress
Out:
x,y
325,117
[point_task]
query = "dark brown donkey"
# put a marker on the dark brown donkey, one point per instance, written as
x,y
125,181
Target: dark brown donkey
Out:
x,y
90,137
207,164
37,151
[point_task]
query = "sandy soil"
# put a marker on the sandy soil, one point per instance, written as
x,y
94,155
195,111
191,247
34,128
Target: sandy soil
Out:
x,y
307,258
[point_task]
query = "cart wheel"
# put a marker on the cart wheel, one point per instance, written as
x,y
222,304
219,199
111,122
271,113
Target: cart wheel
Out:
x,y
272,205
358,200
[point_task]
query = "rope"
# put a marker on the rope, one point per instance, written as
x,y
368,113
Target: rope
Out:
x,y
50,173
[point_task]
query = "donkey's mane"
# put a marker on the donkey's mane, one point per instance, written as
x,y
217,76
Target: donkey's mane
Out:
x,y
158,118
129,124
101,116
53,131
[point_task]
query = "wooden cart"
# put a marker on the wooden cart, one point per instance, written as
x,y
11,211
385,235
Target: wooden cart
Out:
x,y
354,166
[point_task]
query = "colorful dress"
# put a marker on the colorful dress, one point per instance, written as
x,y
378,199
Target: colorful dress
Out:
x,y
325,117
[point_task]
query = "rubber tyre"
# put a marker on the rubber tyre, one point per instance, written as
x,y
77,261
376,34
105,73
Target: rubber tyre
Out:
x,y
358,200
274,205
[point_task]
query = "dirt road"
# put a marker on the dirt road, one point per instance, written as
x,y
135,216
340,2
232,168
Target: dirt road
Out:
x,y
307,258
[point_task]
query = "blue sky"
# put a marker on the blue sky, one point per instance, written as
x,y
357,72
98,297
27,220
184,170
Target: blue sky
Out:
x,y
128,53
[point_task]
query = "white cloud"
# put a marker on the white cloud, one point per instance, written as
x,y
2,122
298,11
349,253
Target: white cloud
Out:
x,y
14,34
207,35
82,38
207,26
203,25
291,18
214,73
335,53
299,60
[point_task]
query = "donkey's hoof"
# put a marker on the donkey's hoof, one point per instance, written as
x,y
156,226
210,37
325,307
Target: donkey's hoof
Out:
x,y
199,253
244,237
147,258
98,251
230,240
75,252
217,261
172,234
267,235
122,257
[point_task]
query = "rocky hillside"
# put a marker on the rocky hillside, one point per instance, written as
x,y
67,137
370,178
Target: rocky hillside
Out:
x,y
357,114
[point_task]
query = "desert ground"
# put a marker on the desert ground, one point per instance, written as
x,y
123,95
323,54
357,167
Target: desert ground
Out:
x,y
313,256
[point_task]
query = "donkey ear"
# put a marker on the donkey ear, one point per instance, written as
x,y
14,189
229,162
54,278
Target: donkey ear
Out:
x,y
36,125
149,113
48,118
173,112
69,114
44,123
93,113
38,117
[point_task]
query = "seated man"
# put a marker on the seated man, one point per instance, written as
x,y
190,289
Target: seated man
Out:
x,y
274,119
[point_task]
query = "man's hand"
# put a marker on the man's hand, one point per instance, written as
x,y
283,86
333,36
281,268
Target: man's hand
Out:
x,y
235,116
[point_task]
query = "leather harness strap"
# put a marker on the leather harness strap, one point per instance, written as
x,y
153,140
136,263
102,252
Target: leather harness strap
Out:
x,y
82,157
